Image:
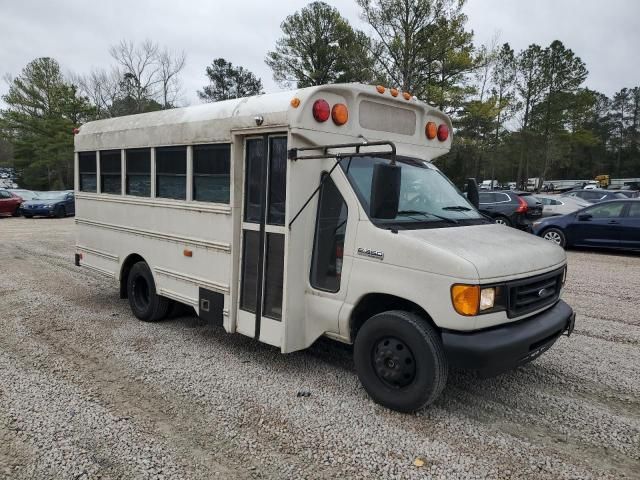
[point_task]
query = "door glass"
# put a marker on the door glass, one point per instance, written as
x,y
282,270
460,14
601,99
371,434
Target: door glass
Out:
x,y
273,282
634,210
250,263
254,181
608,210
277,180
328,247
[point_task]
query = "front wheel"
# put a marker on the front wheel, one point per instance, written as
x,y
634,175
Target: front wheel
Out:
x,y
556,236
16,213
145,303
60,212
400,360
501,220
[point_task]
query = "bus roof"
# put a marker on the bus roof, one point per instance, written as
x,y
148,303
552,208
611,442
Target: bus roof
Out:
x,y
372,116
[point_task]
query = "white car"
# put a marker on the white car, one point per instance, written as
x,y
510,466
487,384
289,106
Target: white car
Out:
x,y
557,205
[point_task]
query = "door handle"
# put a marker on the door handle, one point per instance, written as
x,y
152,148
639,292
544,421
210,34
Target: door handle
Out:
x,y
614,222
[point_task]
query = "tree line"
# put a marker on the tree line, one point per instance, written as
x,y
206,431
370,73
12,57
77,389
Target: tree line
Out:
x,y
516,114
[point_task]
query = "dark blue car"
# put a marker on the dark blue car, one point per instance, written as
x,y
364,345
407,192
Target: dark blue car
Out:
x,y
612,224
50,204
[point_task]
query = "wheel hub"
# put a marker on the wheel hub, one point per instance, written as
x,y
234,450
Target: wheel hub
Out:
x,y
394,362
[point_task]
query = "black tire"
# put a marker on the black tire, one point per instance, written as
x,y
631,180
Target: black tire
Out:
x,y
502,220
387,347
60,212
556,236
27,216
16,213
141,290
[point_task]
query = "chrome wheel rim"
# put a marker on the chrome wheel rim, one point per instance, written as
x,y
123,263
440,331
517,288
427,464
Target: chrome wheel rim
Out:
x,y
553,237
500,221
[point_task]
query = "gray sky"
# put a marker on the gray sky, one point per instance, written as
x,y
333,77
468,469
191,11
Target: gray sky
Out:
x,y
605,34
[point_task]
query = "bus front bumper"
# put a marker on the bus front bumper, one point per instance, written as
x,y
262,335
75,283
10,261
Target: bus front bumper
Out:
x,y
497,349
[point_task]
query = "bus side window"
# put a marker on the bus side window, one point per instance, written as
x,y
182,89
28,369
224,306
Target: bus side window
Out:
x,y
211,173
138,161
328,248
87,170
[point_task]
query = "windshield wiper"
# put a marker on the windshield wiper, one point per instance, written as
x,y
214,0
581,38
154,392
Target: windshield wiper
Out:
x,y
419,212
457,208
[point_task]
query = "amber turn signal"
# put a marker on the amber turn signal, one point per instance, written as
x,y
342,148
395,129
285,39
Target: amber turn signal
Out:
x,y
466,299
339,114
431,130
187,253
295,102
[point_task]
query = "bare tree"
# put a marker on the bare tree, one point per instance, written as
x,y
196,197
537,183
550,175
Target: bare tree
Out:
x,y
102,87
139,68
170,64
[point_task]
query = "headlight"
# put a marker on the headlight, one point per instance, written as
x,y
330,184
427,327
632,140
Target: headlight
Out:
x,y
49,206
535,224
487,298
469,300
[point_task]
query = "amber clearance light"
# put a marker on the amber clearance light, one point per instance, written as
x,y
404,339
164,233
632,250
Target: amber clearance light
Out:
x,y
339,114
431,130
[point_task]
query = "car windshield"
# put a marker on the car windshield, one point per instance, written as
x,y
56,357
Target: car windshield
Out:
x,y
50,196
427,197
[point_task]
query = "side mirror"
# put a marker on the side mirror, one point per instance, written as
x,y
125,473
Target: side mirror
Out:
x,y
385,191
472,192
584,216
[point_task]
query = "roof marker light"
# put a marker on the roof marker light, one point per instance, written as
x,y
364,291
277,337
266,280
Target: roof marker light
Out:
x,y
295,102
340,114
431,130
321,110
406,95
443,132
380,89
394,92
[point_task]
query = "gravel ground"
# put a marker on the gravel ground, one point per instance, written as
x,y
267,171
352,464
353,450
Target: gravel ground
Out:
x,y
88,391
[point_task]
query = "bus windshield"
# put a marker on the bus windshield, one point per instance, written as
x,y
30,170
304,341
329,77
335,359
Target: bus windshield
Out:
x,y
427,198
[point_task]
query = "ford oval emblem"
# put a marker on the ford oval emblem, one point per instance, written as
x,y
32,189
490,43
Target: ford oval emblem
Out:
x,y
542,292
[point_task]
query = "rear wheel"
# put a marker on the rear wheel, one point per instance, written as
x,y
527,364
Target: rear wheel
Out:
x,y
556,236
502,220
145,303
400,360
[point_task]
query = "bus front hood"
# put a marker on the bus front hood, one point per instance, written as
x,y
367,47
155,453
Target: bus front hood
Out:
x,y
497,252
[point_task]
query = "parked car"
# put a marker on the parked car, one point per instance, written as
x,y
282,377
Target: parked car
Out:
x,y
557,205
594,195
24,194
9,203
50,204
627,192
611,224
511,209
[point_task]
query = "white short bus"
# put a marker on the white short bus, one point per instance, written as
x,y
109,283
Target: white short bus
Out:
x,y
290,216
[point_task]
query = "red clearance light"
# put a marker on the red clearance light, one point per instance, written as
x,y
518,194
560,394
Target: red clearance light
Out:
x,y
340,114
431,130
443,132
523,207
321,110
76,131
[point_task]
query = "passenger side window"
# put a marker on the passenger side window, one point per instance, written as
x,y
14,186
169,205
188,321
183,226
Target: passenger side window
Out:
x,y
634,210
607,210
171,172
211,173
328,245
87,171
110,172
502,197
138,172
487,197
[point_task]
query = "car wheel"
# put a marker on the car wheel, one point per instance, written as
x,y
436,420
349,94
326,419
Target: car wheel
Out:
x,y
27,216
501,220
141,290
60,212
16,213
400,360
556,236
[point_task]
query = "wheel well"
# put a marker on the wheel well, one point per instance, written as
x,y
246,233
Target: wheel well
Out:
x,y
374,303
129,262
